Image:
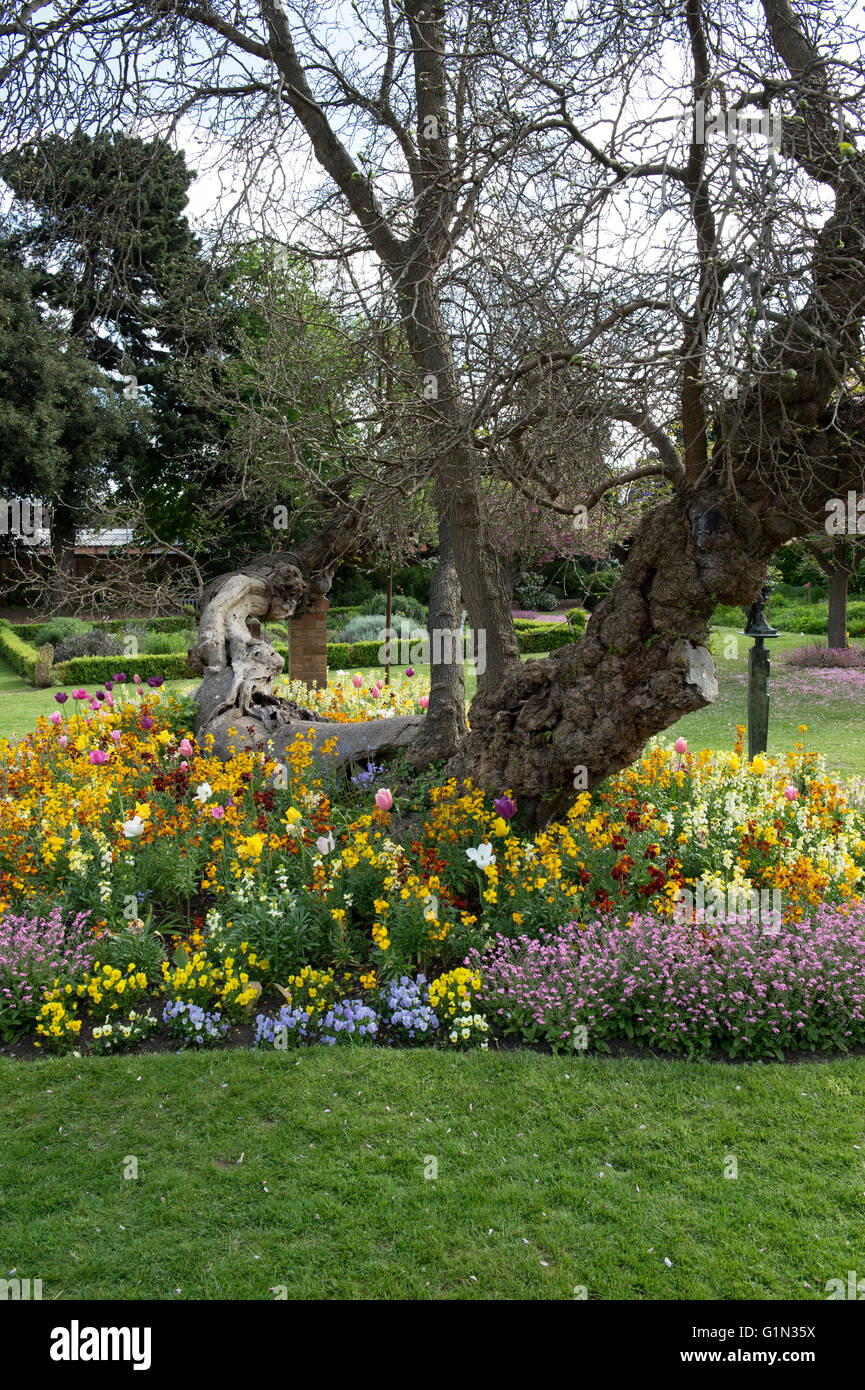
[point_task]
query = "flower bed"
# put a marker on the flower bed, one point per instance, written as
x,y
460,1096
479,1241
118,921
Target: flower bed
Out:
x,y
220,886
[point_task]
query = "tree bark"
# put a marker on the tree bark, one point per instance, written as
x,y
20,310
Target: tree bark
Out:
x,y
444,728
838,580
836,567
459,498
63,536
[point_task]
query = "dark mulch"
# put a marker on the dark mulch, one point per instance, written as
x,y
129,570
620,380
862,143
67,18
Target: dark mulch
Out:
x,y
241,1035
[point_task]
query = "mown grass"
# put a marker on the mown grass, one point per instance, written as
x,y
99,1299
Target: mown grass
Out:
x,y
306,1172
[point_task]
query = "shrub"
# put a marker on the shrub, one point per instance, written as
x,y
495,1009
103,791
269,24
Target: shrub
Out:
x,y
403,604
58,630
159,643
364,654
87,644
364,628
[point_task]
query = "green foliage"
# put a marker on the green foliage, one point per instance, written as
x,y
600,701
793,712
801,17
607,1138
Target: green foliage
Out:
x,y
362,654
533,592
162,643
338,655
143,949
57,631
402,604
546,639
364,628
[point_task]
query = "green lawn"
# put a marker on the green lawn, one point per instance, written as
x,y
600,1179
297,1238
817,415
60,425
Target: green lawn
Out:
x,y
828,703
307,1171
21,704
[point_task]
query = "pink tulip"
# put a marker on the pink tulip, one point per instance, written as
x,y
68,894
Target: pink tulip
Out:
x,y
116,735
185,748
791,792
63,740
79,694
375,692
423,701
184,766
56,718
384,798
357,682
217,812
681,745
97,757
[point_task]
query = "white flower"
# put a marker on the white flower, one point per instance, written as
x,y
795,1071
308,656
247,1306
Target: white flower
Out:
x,y
133,828
325,843
482,856
203,792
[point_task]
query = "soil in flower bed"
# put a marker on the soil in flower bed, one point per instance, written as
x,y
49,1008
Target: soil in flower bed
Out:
x,y
241,1035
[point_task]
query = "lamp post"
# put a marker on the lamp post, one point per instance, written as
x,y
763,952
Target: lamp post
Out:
x,y
758,674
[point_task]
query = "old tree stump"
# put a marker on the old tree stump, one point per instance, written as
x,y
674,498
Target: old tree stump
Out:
x,y
236,701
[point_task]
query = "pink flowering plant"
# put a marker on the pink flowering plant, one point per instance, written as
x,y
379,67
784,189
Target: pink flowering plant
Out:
x,y
34,953
681,989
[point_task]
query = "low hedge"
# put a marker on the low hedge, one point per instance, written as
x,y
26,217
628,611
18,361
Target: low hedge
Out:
x,y
94,670
339,656
20,655
546,639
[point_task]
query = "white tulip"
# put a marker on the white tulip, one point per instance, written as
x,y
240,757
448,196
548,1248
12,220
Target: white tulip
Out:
x,y
482,856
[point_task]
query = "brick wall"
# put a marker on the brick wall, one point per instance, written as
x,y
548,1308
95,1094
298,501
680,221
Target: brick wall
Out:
x,y
307,660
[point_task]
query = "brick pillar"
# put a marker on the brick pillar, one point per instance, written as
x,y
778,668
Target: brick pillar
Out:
x,y
307,660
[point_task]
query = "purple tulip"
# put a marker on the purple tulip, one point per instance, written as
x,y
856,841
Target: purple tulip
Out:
x,y
147,722
61,697
155,681
504,807
119,678
409,671
100,694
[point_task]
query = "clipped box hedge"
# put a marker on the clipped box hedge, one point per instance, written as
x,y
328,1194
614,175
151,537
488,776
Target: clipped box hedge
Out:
x,y
93,670
20,655
548,638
